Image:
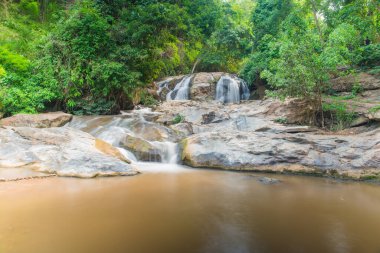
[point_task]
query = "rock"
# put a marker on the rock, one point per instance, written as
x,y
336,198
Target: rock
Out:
x,y
293,111
153,132
108,149
203,86
208,117
268,180
142,149
184,129
365,106
43,120
248,151
166,85
202,91
217,75
346,83
59,151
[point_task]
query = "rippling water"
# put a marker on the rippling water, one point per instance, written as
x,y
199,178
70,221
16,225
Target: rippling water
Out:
x,y
170,208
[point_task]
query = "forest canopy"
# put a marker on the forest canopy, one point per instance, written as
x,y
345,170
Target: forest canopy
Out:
x,y
97,57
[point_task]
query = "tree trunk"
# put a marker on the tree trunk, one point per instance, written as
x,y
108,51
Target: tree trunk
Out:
x,y
315,11
195,65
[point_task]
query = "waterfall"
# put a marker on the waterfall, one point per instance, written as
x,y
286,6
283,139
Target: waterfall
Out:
x,y
114,130
181,90
245,93
168,151
231,90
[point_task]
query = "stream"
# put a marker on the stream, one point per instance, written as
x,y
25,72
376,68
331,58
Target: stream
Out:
x,y
173,208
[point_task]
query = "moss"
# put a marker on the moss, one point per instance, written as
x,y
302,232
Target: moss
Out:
x,y
374,109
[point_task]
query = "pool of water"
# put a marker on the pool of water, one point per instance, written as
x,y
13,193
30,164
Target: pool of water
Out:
x,y
169,208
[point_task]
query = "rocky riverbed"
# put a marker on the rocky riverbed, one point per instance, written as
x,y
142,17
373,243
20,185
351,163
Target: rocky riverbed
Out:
x,y
201,132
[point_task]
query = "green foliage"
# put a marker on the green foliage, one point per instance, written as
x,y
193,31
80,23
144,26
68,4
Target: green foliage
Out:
x,y
178,119
99,56
356,89
375,109
369,55
281,120
21,94
340,116
91,106
12,61
30,8
2,71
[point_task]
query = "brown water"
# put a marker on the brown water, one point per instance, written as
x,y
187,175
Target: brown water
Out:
x,y
183,210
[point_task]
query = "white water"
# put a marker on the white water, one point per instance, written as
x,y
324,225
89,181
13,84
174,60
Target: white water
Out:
x,y
231,90
168,151
181,90
245,90
114,130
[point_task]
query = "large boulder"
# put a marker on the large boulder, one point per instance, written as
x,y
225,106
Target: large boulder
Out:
x,y
204,86
291,111
252,150
142,149
60,151
43,120
346,83
153,132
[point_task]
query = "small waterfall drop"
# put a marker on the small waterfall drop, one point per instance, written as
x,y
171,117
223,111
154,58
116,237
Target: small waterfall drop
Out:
x,y
245,93
231,90
181,90
138,126
168,151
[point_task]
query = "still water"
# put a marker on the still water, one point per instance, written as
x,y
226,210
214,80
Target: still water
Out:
x,y
170,208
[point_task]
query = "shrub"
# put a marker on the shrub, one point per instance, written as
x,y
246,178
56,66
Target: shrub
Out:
x,y
178,119
341,117
369,55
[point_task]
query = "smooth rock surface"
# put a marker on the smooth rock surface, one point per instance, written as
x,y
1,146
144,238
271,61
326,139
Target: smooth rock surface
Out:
x,y
241,151
43,120
60,151
142,149
346,83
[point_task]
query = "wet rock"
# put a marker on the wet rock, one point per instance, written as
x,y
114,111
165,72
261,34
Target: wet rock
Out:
x,y
208,117
59,151
268,180
166,85
142,149
153,132
43,120
108,149
184,129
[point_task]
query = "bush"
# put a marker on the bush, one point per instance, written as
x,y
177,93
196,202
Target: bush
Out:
x,y
24,95
369,55
92,106
340,116
178,119
12,61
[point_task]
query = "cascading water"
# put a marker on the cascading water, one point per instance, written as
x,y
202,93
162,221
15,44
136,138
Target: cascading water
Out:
x,y
181,90
231,90
114,130
245,93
